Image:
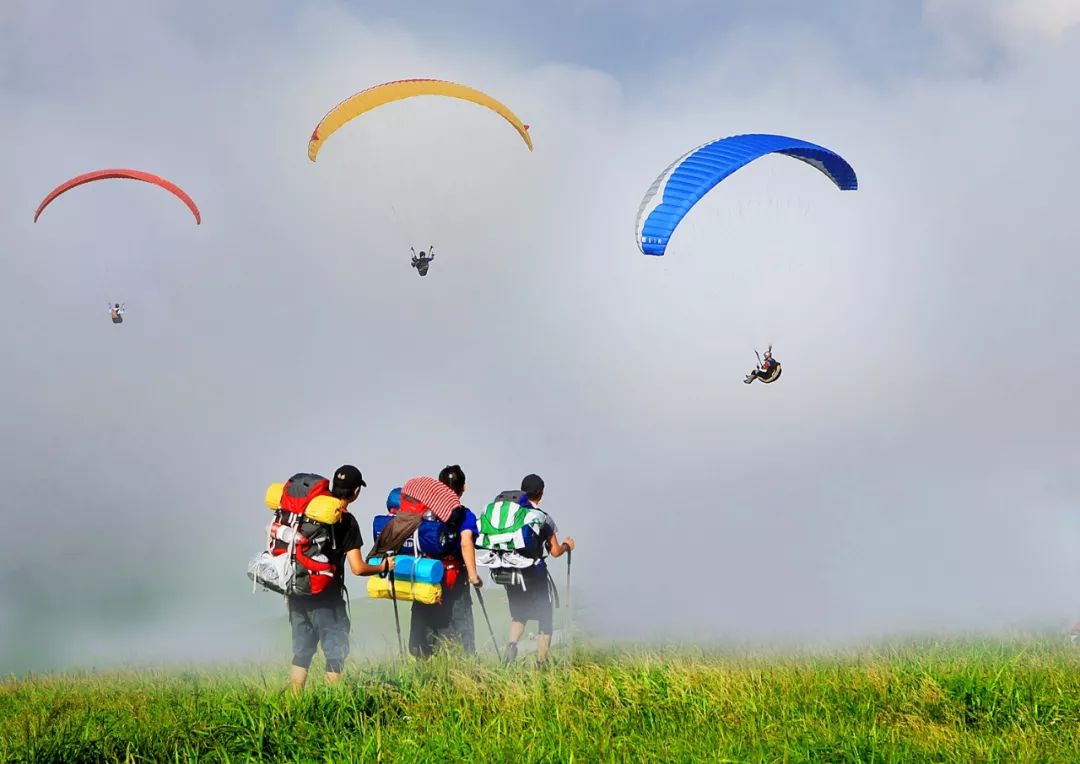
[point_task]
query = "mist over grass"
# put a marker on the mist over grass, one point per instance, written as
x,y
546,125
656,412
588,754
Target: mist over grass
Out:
x,y
955,700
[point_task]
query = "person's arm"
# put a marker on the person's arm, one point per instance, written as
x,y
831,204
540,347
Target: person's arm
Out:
x,y
360,566
468,553
556,549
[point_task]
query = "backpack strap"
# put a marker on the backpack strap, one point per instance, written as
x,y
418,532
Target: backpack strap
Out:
x,y
552,588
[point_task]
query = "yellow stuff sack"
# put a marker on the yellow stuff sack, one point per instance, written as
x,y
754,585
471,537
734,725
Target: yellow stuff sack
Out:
x,y
322,509
325,509
273,495
427,594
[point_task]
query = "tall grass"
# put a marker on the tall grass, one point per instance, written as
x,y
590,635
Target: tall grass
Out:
x,y
937,701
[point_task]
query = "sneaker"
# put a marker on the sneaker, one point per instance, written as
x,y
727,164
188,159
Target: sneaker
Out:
x,y
511,653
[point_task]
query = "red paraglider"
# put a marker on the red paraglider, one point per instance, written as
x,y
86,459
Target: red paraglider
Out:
x,y
124,174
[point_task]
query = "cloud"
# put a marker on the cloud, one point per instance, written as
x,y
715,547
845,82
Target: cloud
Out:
x,y
1016,20
912,469
972,30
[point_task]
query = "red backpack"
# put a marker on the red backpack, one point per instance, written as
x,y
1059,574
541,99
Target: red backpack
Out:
x,y
306,535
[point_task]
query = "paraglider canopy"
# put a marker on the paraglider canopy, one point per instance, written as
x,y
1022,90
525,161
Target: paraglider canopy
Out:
x,y
686,180
379,95
120,174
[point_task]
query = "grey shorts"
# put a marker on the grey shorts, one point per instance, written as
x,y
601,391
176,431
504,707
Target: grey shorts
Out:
x,y
319,620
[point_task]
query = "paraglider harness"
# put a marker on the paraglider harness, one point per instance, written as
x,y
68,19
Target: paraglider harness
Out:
x,y
767,371
116,311
423,262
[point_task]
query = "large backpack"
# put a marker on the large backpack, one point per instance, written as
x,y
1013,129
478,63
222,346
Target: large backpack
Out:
x,y
511,533
414,529
437,539
296,561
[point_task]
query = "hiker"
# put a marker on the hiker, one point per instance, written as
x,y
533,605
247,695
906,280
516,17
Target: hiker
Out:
x,y
452,619
323,618
768,371
533,597
423,262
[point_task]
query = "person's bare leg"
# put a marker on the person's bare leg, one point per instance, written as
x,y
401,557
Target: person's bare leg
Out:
x,y
297,677
517,629
543,641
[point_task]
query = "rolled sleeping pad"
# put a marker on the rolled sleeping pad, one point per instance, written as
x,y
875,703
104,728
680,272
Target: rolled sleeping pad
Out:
x,y
407,591
273,495
325,509
423,570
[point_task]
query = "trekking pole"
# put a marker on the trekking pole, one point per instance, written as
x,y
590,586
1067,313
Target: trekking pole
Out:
x,y
397,620
569,557
569,603
483,608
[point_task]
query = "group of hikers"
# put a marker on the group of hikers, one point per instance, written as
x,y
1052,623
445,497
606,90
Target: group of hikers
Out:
x,y
322,619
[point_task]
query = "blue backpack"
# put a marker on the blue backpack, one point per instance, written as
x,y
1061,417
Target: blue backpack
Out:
x,y
437,539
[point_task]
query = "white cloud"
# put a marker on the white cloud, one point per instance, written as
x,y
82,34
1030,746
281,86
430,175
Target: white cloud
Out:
x,y
1018,26
881,482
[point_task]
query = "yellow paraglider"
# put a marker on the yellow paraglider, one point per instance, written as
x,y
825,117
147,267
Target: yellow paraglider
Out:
x,y
376,96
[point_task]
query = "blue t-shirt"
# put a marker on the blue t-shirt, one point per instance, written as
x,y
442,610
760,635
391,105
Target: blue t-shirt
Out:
x,y
468,523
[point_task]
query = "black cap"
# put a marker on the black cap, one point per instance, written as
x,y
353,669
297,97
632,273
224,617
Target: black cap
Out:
x,y
533,485
347,479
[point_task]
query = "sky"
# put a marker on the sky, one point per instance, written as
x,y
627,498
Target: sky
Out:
x,y
914,470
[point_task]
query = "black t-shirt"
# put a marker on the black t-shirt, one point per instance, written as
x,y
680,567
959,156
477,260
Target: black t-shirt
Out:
x,y
346,534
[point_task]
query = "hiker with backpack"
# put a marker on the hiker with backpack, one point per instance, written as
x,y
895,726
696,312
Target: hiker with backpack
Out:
x,y
323,618
530,590
450,620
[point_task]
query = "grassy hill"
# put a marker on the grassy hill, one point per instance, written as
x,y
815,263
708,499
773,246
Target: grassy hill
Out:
x,y
962,701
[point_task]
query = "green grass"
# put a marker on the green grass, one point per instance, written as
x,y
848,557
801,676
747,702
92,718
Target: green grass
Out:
x,y
963,701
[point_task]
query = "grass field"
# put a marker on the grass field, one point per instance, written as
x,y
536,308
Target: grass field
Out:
x,y
963,701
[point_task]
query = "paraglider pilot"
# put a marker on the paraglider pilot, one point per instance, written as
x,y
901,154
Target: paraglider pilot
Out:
x,y
422,262
767,370
116,311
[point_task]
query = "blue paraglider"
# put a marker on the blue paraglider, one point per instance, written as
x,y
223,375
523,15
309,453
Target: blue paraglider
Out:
x,y
694,174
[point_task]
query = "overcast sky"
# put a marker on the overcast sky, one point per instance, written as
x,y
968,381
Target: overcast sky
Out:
x,y
915,468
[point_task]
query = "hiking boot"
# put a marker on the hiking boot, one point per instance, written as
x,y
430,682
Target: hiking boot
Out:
x,y
511,653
